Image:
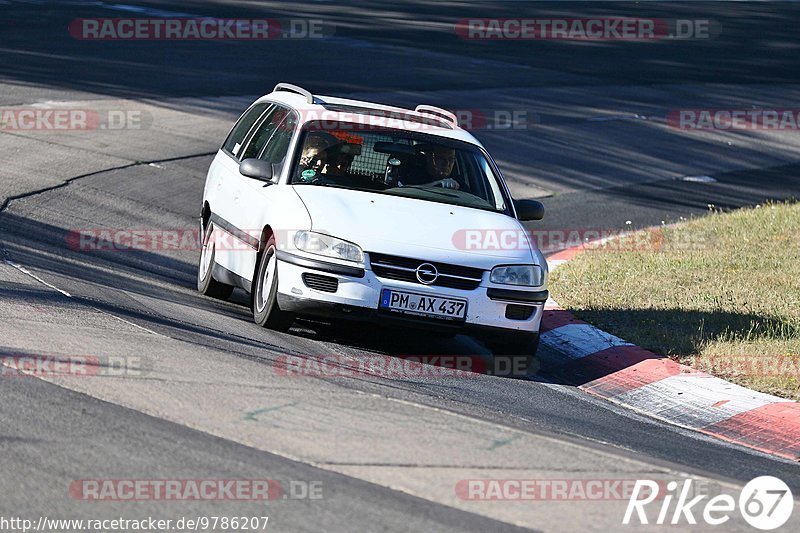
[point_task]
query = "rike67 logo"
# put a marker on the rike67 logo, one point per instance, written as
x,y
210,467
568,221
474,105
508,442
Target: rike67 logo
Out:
x,y
765,503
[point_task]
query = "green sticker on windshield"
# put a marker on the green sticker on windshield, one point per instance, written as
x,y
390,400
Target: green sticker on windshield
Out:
x,y
308,174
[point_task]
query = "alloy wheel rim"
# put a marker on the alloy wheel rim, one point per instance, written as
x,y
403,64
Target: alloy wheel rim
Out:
x,y
205,258
267,277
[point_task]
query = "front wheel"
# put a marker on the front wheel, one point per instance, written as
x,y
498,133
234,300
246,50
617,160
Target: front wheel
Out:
x,y
266,311
206,283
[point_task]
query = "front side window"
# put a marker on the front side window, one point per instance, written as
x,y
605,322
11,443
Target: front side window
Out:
x,y
236,138
276,149
398,163
266,129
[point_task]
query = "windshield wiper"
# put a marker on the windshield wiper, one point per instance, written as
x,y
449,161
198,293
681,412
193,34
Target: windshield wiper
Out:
x,y
460,200
438,190
321,184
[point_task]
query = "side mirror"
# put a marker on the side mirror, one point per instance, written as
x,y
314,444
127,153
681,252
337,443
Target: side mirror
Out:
x,y
256,168
529,209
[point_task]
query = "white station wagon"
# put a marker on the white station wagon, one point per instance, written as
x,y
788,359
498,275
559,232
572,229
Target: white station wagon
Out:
x,y
328,207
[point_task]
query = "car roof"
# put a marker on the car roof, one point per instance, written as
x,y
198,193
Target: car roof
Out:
x,y
330,108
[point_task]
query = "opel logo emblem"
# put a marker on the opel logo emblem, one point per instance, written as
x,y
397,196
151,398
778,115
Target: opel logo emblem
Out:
x,y
427,274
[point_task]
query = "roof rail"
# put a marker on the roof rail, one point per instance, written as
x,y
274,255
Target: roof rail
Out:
x,y
438,112
294,89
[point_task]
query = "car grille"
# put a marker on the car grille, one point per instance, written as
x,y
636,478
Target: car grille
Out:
x,y
404,269
321,283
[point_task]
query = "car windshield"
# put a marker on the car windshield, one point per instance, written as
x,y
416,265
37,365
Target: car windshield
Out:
x,y
398,163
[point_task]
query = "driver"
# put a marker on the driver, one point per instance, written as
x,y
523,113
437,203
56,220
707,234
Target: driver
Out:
x,y
340,157
437,165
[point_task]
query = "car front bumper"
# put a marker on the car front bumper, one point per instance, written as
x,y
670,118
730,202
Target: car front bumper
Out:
x,y
358,293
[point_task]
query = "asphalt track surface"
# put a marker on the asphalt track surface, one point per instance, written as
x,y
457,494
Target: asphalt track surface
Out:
x,y
387,452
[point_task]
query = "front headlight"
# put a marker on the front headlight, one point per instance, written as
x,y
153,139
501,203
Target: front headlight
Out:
x,y
321,244
525,275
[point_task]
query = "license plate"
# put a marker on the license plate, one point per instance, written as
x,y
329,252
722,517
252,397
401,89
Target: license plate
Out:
x,y
412,303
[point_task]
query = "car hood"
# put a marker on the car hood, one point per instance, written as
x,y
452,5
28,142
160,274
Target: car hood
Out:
x,y
417,228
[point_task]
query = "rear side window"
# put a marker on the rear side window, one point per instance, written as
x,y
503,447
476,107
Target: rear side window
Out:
x,y
237,136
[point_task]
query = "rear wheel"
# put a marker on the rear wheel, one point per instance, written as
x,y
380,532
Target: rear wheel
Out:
x,y
266,311
206,283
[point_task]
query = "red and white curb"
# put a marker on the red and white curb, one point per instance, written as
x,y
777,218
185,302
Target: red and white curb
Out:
x,y
607,366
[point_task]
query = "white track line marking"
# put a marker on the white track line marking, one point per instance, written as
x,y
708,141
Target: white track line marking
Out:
x,y
34,276
68,295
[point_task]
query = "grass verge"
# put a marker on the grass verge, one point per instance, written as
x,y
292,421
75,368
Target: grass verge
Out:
x,y
720,293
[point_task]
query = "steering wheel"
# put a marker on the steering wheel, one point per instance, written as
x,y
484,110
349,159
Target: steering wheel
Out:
x,y
446,183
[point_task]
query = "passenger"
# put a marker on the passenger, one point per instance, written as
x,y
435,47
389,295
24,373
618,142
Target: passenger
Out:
x,y
314,157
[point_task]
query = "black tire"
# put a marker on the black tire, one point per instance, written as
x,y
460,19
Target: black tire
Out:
x,y
206,283
514,355
264,293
